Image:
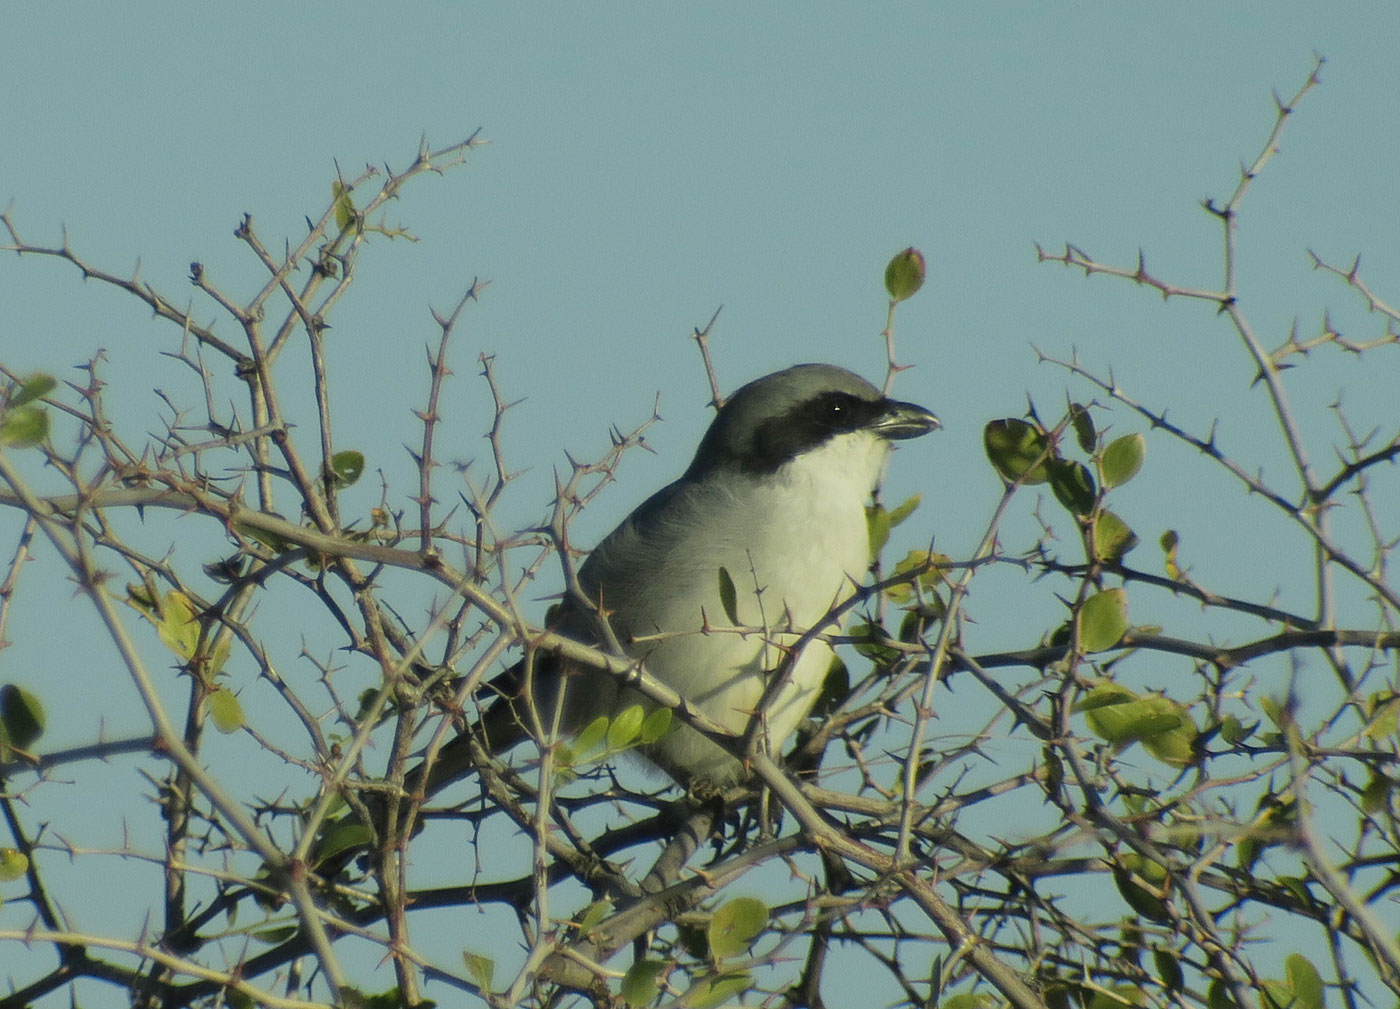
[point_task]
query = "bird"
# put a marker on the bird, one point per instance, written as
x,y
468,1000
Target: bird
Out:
x,y
773,502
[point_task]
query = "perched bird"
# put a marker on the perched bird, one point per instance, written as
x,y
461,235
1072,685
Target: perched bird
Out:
x,y
776,497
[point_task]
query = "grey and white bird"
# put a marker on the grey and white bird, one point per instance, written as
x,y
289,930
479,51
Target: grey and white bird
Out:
x,y
776,496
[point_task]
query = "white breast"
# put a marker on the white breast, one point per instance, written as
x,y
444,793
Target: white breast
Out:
x,y
795,543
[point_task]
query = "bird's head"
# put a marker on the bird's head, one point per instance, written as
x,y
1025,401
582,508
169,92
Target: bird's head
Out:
x,y
776,418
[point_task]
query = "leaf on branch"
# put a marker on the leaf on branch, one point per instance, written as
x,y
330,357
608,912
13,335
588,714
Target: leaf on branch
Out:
x,y
24,426
13,864
877,527
593,915
347,467
32,388
591,737
728,596
655,727
1384,720
225,711
1119,716
641,984
869,640
626,727
179,625
345,212
344,835
1073,485
1149,903
1112,538
903,510
481,968
717,991
22,719
930,573
1017,449
1170,541
735,926
1304,982
1122,459
836,687
1083,425
1103,619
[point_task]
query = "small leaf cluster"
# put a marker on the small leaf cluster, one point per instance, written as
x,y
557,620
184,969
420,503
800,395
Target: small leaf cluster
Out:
x,y
24,422
179,624
1024,453
730,933
606,737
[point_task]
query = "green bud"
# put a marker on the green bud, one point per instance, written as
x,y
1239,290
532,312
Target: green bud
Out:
x,y
905,274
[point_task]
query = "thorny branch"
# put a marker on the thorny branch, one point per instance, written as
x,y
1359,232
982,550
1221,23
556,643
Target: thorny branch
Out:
x,y
959,818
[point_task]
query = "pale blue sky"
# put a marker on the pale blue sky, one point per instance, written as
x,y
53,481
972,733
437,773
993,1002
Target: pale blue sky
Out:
x,y
650,162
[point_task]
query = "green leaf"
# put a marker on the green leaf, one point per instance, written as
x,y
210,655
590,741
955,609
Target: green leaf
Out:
x,y
904,510
218,654
592,736
347,467
1305,982
1170,541
1118,996
1298,886
728,597
869,640
930,574
656,725
640,985
225,711
626,727
1149,903
32,388
481,968
1104,695
1274,824
1384,720
1122,459
736,925
836,687
1218,996
1112,538
1233,731
179,626
1017,449
13,864
345,213
1275,995
1083,425
692,940
273,936
905,274
1103,619
22,718
24,426
1173,744
345,835
968,1000
1119,716
593,916
1375,797
1073,485
877,528
717,991
918,619
1168,968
